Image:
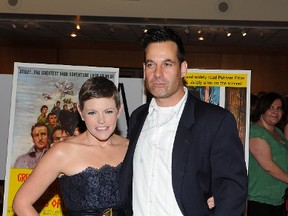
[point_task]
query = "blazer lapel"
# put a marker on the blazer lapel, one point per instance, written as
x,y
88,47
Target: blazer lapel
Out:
x,y
182,145
136,125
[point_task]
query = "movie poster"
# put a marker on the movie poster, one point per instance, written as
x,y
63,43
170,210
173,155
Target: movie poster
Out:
x,y
229,89
43,94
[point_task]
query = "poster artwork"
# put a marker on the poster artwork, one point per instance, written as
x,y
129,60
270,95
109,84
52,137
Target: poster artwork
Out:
x,y
44,97
229,89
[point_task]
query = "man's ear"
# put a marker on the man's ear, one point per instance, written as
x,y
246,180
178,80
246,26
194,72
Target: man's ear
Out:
x,y
184,68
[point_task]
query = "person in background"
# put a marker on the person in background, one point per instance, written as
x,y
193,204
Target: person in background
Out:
x,y
56,109
268,158
42,118
181,150
59,135
52,122
253,100
65,118
75,117
87,165
40,137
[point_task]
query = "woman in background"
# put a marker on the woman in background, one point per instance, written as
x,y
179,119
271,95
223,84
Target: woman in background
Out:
x,y
268,158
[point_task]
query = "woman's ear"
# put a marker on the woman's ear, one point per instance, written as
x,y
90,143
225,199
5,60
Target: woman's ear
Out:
x,y
80,112
120,111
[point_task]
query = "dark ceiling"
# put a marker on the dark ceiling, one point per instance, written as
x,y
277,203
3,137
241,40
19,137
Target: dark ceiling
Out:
x,y
112,29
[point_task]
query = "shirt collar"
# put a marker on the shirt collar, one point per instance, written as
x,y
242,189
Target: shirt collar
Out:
x,y
175,109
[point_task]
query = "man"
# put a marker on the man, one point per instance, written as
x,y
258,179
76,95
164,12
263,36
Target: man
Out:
x,y
52,122
42,118
59,135
56,108
76,118
182,150
65,117
40,137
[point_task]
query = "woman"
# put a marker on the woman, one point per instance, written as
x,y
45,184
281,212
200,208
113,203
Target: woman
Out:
x,y
87,165
268,159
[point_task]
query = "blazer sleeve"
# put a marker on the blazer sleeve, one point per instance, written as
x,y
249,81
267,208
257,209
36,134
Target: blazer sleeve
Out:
x,y
229,174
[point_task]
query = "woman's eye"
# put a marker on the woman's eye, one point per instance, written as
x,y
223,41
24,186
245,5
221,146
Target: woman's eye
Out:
x,y
91,113
109,111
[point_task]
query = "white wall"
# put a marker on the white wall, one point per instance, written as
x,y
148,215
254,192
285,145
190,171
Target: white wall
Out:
x,y
256,10
134,94
134,91
5,98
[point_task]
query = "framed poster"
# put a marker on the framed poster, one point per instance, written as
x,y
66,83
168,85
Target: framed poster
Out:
x,y
229,89
39,90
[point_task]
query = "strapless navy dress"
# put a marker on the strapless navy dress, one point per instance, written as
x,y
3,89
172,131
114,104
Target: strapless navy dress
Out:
x,y
92,192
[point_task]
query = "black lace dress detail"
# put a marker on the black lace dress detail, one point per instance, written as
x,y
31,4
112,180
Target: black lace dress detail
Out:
x,y
92,191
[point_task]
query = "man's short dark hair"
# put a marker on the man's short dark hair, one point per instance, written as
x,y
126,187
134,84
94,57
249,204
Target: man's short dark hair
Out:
x,y
163,34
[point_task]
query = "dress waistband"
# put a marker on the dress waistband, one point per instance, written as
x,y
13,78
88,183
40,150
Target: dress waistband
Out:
x,y
97,212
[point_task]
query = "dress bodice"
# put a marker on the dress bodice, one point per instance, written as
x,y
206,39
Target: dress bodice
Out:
x,y
92,189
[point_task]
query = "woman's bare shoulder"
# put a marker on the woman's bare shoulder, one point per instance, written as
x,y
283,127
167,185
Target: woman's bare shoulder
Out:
x,y
119,140
67,146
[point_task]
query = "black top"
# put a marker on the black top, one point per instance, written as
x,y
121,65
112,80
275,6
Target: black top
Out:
x,y
91,191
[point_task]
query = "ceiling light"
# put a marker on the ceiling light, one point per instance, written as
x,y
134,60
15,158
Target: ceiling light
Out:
x,y
244,33
201,38
73,35
228,33
13,25
199,31
186,30
78,26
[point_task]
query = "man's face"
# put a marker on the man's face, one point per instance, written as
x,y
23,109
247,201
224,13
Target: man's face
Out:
x,y
163,72
40,138
44,110
59,136
52,120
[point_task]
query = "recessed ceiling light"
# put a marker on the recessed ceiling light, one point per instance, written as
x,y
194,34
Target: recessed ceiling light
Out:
x,y
73,35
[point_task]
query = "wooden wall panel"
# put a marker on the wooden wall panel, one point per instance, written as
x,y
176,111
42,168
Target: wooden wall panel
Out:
x,y
9,55
269,67
102,58
204,60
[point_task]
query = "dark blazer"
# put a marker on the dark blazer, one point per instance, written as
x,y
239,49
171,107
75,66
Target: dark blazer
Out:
x,y
207,158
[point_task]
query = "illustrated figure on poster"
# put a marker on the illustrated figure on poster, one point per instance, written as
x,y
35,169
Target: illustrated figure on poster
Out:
x,y
59,135
65,87
52,122
88,165
65,118
42,118
40,137
76,118
56,108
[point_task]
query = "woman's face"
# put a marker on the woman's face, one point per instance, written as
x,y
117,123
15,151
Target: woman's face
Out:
x,y
274,114
100,116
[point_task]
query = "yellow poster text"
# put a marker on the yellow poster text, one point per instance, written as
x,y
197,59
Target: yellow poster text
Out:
x,y
216,79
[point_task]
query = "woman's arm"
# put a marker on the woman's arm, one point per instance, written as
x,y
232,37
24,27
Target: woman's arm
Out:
x,y
46,171
261,150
